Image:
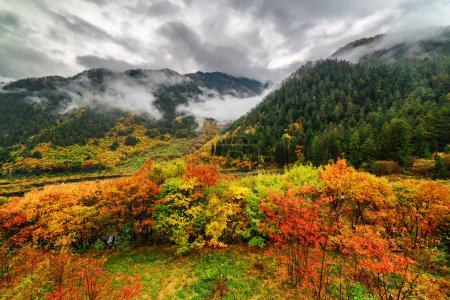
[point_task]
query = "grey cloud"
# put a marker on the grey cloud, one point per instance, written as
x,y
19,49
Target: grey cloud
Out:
x,y
414,5
9,20
262,39
84,29
81,27
98,2
92,61
24,62
291,16
155,8
232,59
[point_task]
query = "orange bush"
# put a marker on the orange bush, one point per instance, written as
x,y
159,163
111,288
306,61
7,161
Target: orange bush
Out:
x,y
206,175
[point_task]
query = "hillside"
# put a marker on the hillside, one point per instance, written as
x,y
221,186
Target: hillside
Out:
x,y
101,107
427,42
390,106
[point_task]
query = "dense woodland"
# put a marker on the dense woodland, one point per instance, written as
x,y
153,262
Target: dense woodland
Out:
x,y
365,112
387,107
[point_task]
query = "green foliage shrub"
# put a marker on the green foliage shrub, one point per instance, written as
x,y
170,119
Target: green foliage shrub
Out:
x,y
164,170
303,175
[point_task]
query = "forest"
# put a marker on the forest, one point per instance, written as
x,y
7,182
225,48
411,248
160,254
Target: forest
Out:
x,y
364,112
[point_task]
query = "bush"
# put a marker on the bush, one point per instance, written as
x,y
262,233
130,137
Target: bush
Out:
x,y
36,154
385,167
162,171
153,133
131,140
422,167
114,146
440,168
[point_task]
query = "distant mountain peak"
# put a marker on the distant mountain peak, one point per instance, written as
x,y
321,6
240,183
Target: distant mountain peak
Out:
x,y
357,43
427,42
227,84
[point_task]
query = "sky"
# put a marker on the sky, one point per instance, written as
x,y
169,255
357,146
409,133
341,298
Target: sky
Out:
x,y
260,39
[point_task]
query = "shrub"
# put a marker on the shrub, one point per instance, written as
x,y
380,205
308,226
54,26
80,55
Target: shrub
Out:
x,y
162,171
131,140
385,167
422,167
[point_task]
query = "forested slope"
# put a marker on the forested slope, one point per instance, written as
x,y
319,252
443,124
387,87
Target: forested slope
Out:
x,y
86,109
378,109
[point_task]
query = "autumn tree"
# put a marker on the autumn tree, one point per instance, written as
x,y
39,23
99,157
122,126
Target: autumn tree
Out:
x,y
359,196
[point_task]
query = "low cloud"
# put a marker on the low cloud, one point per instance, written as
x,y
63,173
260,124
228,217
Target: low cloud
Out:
x,y
119,91
223,108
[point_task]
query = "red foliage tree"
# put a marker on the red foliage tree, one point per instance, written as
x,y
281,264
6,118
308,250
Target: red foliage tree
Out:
x,y
376,262
206,175
299,225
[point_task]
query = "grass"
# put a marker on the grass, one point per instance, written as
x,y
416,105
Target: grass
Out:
x,y
174,149
212,274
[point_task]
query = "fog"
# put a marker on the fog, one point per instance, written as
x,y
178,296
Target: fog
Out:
x,y
120,91
134,91
223,108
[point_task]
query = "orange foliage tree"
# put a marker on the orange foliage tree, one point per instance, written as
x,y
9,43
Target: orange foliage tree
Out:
x,y
373,260
206,175
76,216
421,208
359,196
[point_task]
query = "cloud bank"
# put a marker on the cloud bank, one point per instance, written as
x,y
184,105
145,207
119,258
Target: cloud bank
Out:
x,y
132,91
223,108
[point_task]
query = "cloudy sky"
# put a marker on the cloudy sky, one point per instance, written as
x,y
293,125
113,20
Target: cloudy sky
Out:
x,y
262,39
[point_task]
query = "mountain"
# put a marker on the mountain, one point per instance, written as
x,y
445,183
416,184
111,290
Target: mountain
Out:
x,y
74,110
367,42
227,84
32,106
428,42
391,105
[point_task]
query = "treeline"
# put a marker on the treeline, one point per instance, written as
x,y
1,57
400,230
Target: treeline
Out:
x,y
364,112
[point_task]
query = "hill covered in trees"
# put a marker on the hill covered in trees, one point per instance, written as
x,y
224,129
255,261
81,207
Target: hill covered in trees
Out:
x,y
89,107
389,106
